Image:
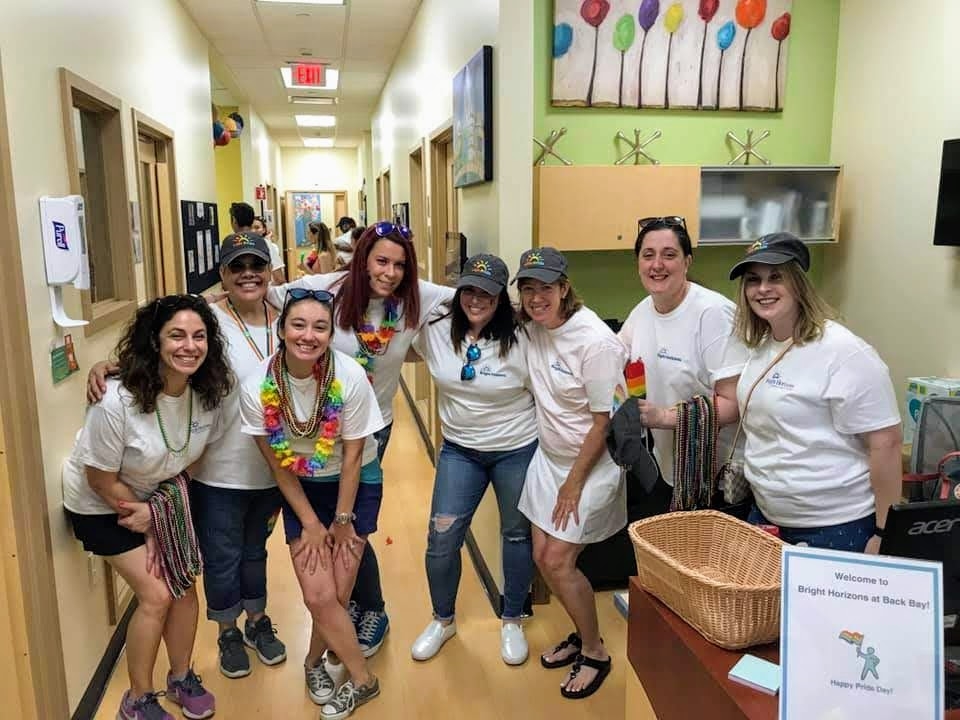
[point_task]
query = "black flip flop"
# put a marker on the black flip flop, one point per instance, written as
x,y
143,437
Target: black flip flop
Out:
x,y
601,666
573,640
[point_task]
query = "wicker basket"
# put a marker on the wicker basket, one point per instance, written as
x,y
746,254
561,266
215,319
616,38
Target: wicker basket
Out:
x,y
718,573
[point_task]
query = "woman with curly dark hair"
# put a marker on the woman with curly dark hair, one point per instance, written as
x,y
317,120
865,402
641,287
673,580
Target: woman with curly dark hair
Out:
x,y
153,423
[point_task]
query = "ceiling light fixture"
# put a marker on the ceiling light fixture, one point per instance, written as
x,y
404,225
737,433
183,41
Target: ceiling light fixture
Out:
x,y
304,100
318,142
331,76
315,120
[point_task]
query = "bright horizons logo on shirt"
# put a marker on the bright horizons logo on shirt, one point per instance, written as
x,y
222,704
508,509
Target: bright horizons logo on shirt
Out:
x,y
560,367
776,380
664,354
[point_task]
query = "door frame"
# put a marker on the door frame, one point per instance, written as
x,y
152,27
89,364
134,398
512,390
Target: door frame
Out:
x,y
143,124
290,232
26,555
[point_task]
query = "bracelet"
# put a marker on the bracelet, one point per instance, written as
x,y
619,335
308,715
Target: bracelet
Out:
x,y
344,518
878,531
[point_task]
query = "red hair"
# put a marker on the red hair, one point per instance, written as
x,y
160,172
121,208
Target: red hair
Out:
x,y
354,294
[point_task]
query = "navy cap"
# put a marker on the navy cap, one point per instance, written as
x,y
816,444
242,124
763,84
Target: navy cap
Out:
x,y
545,264
243,243
487,272
774,249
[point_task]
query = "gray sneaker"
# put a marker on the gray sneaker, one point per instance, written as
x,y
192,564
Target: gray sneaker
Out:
x,y
234,662
262,637
348,699
320,685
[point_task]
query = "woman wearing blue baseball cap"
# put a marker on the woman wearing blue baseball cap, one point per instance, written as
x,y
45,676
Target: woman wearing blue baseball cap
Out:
x,y
477,356
822,428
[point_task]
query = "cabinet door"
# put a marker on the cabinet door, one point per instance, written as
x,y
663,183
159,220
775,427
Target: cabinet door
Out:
x,y
597,207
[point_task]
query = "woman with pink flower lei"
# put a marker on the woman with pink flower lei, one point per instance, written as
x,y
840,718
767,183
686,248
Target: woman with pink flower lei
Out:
x,y
313,413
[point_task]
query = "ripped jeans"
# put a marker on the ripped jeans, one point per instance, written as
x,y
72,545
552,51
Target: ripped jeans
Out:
x,y
462,478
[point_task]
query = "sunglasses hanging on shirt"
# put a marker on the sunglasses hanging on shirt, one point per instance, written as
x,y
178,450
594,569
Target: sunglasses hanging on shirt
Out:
x,y
468,371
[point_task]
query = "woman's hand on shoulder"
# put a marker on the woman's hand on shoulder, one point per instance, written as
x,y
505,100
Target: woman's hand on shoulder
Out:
x,y
97,380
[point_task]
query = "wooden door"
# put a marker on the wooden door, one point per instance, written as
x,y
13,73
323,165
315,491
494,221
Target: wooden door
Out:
x,y
157,228
340,210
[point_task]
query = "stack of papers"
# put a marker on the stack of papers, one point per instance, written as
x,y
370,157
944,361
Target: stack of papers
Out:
x,y
756,673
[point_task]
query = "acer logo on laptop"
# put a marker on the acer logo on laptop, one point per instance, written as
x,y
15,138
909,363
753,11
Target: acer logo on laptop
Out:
x,y
932,527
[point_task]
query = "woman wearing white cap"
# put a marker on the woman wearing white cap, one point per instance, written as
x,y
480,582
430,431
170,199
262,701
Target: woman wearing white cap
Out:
x,y
573,493
477,356
822,428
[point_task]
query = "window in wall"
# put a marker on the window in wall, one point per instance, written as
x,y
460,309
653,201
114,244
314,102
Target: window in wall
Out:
x,y
95,161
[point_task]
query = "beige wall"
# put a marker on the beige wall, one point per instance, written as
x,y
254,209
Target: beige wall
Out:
x,y
260,157
160,67
896,101
322,170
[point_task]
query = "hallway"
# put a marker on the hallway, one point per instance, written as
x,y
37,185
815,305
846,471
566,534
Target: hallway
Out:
x,y
467,679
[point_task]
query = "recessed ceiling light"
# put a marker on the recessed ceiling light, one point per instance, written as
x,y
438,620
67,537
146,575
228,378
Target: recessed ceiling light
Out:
x,y
315,120
304,100
331,76
304,2
318,142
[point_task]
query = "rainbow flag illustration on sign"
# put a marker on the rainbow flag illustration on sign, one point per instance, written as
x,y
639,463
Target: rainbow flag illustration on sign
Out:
x,y
854,638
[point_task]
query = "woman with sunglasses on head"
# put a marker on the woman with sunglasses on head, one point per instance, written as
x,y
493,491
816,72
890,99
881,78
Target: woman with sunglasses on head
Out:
x,y
235,500
381,306
153,424
314,416
475,352
820,417
680,344
573,493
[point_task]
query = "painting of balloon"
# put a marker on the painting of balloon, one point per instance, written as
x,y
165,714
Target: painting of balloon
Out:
x,y
683,55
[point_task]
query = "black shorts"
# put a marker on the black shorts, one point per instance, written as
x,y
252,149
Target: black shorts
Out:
x,y
101,535
322,495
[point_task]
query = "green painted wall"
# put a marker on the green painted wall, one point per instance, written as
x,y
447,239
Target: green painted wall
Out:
x,y
799,135
229,177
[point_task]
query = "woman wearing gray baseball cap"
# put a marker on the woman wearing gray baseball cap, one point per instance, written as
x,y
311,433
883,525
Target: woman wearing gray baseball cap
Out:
x,y
822,427
574,494
477,356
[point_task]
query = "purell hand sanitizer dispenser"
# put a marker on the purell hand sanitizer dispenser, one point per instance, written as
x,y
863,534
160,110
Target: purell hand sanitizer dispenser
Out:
x,y
64,251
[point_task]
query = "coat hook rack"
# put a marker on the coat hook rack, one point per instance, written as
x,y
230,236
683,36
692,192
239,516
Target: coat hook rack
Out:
x,y
748,148
546,147
637,147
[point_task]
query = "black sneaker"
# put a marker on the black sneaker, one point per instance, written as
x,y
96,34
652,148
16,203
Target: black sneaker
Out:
x,y
262,637
234,662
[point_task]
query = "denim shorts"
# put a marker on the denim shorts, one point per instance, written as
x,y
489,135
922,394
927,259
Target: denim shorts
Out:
x,y
850,536
322,496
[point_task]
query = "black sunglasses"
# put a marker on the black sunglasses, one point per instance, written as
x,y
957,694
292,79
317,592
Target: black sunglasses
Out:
x,y
321,296
670,221
238,266
468,371
385,227
189,301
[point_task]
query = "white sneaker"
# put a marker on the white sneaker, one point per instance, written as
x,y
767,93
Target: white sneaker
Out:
x,y
335,669
513,644
432,639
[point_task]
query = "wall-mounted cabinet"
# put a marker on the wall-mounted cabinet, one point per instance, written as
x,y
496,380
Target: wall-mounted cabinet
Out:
x,y
596,207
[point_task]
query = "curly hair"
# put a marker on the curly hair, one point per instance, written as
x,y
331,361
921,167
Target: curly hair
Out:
x,y
354,293
138,353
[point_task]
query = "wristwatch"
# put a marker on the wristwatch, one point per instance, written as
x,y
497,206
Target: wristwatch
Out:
x,y
344,518
878,531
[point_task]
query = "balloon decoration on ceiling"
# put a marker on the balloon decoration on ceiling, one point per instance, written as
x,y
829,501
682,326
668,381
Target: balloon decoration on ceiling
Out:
x,y
226,128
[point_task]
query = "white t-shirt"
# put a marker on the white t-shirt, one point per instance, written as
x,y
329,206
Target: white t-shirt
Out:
x,y
386,373
495,410
359,418
117,437
234,460
681,354
276,258
804,459
575,370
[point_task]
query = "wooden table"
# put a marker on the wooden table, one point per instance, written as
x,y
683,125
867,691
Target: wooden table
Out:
x,y
684,676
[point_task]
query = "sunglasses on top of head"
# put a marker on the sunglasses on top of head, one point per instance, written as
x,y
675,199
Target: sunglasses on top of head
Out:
x,y
321,296
385,228
669,221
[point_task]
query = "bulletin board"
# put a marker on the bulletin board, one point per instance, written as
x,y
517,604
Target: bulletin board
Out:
x,y
201,244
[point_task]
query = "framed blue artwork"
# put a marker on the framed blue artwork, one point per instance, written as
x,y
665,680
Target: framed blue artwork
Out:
x,y
473,120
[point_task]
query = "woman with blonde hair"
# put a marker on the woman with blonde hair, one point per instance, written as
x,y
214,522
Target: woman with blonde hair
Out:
x,y
819,411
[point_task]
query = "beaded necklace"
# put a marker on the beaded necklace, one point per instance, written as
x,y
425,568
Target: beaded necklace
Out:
x,y
177,452
278,411
172,523
246,331
375,341
695,453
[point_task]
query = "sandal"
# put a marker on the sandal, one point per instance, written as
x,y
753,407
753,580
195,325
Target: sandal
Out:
x,y
601,666
573,640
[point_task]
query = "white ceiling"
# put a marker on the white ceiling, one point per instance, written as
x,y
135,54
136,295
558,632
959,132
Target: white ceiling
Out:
x,y
255,39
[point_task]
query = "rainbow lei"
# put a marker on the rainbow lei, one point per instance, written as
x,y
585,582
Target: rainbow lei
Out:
x,y
375,341
273,399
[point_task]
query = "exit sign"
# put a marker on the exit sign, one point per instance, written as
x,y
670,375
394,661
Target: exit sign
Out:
x,y
309,74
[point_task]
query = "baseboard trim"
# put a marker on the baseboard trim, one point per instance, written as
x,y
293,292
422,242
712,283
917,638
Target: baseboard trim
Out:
x,y
93,695
421,425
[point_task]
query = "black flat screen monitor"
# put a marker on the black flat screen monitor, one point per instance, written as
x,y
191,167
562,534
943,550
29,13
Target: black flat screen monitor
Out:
x,y
930,531
947,229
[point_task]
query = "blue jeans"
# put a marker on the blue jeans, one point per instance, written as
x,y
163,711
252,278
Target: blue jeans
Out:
x,y
367,591
851,536
232,530
462,478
